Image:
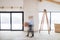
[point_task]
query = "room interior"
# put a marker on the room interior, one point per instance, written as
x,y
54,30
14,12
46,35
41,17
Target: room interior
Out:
x,y
14,13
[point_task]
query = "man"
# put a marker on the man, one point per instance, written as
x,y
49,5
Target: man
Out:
x,y
30,26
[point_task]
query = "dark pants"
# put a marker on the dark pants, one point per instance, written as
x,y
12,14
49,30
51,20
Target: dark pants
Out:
x,y
30,30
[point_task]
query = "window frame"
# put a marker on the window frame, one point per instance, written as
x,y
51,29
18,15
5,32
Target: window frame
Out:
x,y
11,20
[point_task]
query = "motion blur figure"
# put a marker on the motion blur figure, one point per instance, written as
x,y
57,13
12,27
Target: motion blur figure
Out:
x,y
30,26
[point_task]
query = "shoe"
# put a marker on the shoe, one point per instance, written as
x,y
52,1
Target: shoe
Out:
x,y
27,35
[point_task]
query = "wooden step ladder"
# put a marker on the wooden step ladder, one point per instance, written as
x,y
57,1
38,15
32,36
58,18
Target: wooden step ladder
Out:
x,y
42,21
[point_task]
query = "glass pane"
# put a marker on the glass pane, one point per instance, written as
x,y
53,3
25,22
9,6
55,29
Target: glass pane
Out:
x,y
17,21
44,27
5,20
55,19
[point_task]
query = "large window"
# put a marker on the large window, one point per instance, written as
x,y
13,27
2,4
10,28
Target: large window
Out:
x,y
53,18
11,20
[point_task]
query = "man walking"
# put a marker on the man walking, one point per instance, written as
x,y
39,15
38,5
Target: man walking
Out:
x,y
30,26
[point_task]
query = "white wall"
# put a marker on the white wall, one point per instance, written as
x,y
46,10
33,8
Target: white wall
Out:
x,y
30,8
9,3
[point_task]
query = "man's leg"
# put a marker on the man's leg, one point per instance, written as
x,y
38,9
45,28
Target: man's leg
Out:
x,y
32,33
28,33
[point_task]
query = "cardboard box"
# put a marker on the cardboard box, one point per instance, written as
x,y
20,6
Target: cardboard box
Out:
x,y
57,28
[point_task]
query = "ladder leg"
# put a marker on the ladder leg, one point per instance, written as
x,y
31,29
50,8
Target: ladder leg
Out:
x,y
42,21
48,24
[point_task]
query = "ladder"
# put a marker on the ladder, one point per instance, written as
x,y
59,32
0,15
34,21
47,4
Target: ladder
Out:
x,y
42,22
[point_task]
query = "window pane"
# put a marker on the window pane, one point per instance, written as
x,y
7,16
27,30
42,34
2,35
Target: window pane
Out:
x,y
5,20
44,27
54,19
17,21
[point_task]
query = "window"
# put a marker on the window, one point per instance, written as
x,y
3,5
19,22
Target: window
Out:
x,y
54,19
11,20
17,21
5,20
